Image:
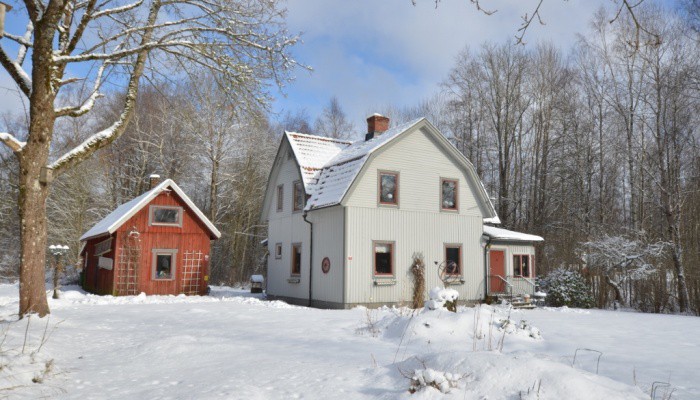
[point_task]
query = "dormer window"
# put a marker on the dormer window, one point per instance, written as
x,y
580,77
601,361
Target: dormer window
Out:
x,y
389,188
448,196
165,216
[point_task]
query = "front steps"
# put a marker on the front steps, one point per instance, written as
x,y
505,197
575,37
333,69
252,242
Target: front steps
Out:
x,y
516,301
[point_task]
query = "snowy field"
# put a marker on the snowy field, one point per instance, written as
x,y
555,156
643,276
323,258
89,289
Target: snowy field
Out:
x,y
231,345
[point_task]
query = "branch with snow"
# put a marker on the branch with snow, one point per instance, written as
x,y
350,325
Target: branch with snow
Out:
x,y
12,142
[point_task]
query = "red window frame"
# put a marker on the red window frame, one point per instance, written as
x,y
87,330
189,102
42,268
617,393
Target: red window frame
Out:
x,y
519,263
295,196
391,259
459,258
396,189
296,257
280,198
442,194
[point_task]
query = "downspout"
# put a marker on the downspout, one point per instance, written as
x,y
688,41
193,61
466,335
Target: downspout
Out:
x,y
487,246
311,256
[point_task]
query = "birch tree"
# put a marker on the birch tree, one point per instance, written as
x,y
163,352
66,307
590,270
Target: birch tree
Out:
x,y
120,42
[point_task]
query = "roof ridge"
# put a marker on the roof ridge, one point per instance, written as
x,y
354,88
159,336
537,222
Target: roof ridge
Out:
x,y
318,137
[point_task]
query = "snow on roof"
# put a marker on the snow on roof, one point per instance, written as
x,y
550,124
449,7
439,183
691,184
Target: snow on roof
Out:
x,y
330,166
331,171
504,234
121,214
312,154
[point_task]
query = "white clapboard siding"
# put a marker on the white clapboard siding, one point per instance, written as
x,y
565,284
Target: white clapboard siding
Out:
x,y
412,232
520,285
286,227
420,163
329,229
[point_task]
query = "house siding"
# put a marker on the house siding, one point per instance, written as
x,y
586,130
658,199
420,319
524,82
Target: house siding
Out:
x,y
520,286
286,227
411,232
421,162
329,231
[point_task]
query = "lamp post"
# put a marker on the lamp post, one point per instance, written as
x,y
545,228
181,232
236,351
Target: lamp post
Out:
x,y
3,8
58,251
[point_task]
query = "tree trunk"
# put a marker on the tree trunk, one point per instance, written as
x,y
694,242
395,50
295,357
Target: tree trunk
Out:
x,y
32,214
616,288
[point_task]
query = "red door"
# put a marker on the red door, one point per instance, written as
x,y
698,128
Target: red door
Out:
x,y
497,271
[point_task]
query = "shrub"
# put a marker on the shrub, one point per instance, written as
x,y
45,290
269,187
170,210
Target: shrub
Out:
x,y
566,288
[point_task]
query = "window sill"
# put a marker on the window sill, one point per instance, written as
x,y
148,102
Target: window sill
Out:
x,y
294,280
455,282
380,281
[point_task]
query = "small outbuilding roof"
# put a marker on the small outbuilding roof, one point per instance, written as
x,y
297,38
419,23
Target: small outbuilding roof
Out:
x,y
511,236
124,212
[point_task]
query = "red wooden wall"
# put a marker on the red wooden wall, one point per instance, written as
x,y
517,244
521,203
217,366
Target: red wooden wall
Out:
x,y
192,236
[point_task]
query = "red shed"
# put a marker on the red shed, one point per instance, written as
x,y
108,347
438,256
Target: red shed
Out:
x,y
157,243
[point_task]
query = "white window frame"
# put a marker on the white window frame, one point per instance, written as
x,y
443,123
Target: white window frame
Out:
x,y
152,212
154,266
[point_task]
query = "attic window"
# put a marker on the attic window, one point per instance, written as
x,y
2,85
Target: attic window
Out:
x,y
166,215
280,198
448,197
389,188
298,196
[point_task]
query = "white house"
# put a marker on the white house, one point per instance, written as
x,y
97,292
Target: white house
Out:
x,y
345,219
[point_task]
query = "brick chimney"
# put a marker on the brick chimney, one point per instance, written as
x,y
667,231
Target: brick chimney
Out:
x,y
376,125
154,180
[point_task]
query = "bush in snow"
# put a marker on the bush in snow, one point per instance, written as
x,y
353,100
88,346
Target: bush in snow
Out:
x,y
442,298
566,288
442,381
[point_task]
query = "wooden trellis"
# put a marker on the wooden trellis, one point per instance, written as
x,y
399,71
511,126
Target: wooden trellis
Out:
x,y
127,269
192,262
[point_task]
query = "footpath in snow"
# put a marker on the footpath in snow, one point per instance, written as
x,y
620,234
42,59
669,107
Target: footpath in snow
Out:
x,y
237,346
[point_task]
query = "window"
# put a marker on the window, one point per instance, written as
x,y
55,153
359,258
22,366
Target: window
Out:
x,y
278,251
383,258
453,259
521,265
448,196
298,196
165,215
389,188
164,264
296,259
280,198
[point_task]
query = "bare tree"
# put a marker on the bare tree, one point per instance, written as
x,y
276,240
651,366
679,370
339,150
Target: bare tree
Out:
x,y
332,122
245,41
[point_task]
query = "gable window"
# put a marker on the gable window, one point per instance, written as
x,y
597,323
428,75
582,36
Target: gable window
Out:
x,y
164,264
383,258
389,188
280,198
166,215
298,196
448,196
296,259
453,259
521,265
278,250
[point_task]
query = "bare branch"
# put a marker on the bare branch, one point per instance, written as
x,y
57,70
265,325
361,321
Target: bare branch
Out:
x,y
10,141
89,103
107,136
16,72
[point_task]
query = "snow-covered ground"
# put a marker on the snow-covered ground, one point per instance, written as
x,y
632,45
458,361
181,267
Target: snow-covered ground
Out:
x,y
236,346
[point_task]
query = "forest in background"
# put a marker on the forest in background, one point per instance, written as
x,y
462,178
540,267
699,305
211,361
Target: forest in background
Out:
x,y
595,147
